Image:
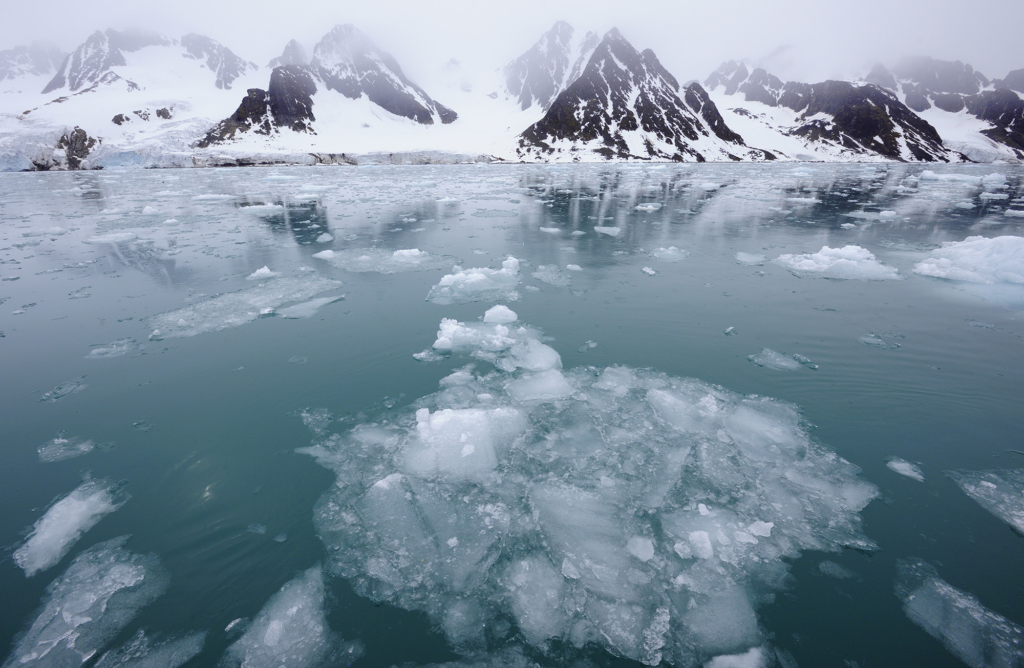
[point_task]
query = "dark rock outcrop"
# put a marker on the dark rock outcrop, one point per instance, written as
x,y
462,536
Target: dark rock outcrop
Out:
x,y
77,145
882,77
1014,81
1005,111
626,105
120,119
940,76
218,58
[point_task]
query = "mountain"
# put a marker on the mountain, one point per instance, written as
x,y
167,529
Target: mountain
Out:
x,y
626,105
983,119
35,60
218,59
549,66
293,54
826,120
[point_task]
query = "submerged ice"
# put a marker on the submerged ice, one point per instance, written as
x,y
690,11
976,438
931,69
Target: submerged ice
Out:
x,y
102,590
384,261
999,492
977,636
643,513
848,262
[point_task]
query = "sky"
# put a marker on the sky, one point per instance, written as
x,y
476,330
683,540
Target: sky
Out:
x,y
794,39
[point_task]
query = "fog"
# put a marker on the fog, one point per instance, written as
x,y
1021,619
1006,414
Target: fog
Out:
x,y
795,39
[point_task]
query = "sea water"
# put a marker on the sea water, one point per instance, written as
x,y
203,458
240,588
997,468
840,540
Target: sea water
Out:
x,y
702,415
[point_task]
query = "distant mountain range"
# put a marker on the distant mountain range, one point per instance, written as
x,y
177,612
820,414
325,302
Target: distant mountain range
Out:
x,y
135,98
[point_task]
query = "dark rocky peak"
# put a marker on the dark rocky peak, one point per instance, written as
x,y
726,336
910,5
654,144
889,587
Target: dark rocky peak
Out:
x,y
729,75
33,60
90,63
346,61
218,58
626,105
864,119
1014,81
697,99
940,76
287,103
293,54
1004,109
882,77
538,75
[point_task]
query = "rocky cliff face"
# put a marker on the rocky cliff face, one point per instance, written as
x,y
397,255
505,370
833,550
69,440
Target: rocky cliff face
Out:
x,y
35,60
626,105
554,62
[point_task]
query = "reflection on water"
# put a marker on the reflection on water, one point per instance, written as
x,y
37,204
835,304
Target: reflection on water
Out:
x,y
635,278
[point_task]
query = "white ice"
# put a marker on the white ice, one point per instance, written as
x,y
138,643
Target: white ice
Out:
x,y
999,492
477,284
262,273
64,522
385,261
977,260
102,590
291,630
113,349
238,308
848,262
618,507
500,314
976,635
905,468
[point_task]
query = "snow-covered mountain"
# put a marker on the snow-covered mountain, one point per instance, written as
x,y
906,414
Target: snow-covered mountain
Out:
x,y
981,118
25,61
625,104
293,54
554,62
827,120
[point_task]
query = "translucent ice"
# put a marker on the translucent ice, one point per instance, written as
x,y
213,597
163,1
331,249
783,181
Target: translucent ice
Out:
x,y
976,635
610,231
60,448
307,309
619,507
774,360
999,492
905,468
143,652
751,259
291,630
848,262
64,522
73,386
977,260
670,254
477,284
238,308
113,349
385,261
102,590
552,275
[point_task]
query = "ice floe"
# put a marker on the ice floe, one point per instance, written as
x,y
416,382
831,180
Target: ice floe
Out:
x,y
60,447
552,275
102,590
477,284
848,262
999,492
113,349
64,522
670,254
384,261
976,635
977,260
751,259
905,468
144,652
233,309
73,386
774,360
625,508
610,231
291,630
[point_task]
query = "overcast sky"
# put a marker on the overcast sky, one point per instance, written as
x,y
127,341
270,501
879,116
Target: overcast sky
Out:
x,y
812,40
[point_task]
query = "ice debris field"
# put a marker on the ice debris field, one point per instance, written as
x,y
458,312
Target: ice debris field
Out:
x,y
546,420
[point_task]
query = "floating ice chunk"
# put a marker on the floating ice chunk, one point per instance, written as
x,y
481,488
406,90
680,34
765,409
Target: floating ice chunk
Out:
x,y
649,271
460,443
262,273
149,211
551,230
477,284
291,630
1014,213
102,590
700,545
834,570
773,360
552,275
993,181
308,309
610,231
905,468
726,623
641,547
546,385
60,448
234,309
578,233
848,262
886,214
751,259
999,492
648,207
535,589
384,261
500,314
142,652
213,198
929,175
325,255
428,355
993,196
573,267
753,658
848,226
977,260
324,238
763,529
112,238
64,522
973,633
587,345
112,349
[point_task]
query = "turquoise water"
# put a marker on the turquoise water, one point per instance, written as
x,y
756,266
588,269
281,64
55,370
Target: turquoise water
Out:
x,y
194,430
